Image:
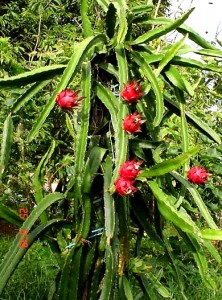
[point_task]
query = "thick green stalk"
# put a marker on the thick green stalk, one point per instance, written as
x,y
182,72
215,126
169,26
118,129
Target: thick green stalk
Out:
x,y
121,147
7,139
109,275
108,201
121,138
87,27
80,148
185,139
124,234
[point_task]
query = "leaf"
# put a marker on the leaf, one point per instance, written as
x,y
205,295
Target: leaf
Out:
x,y
194,120
160,31
7,139
70,126
195,37
29,222
180,218
188,62
179,81
104,4
137,144
110,69
40,208
150,75
92,165
169,165
125,287
141,9
29,94
73,66
156,285
197,199
9,215
38,178
203,127
209,52
110,101
40,74
212,250
142,213
169,55
212,234
148,290
151,58
182,61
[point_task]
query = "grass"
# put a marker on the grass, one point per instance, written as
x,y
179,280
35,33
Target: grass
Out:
x,y
35,275
194,289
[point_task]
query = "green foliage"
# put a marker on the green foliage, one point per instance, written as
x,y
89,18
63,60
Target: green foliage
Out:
x,y
72,158
39,28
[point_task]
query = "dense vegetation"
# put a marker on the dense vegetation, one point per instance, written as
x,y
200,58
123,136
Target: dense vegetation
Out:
x,y
142,236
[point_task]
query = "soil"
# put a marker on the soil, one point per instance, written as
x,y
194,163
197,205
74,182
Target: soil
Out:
x,y
7,228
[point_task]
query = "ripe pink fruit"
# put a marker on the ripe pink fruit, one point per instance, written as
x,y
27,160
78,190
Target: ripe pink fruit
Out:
x,y
67,99
130,169
131,92
197,175
124,186
132,123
